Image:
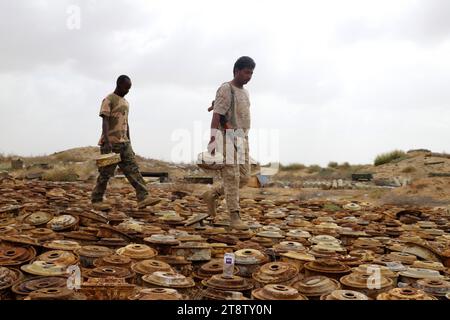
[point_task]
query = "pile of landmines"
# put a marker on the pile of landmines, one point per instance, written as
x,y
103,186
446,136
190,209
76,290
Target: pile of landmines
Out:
x,y
54,246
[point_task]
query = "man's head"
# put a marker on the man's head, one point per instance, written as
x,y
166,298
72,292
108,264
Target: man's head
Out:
x,y
243,70
123,85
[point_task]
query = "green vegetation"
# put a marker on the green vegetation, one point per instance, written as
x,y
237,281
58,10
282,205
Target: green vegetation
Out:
x,y
389,157
292,167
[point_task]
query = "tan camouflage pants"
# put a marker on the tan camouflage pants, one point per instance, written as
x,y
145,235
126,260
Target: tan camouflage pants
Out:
x,y
130,170
235,175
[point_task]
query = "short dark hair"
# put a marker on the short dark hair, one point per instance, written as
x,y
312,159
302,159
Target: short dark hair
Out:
x,y
121,78
243,63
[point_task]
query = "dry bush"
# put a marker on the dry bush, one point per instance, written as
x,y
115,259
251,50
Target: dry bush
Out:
x,y
314,168
61,174
327,173
333,164
389,157
345,165
292,167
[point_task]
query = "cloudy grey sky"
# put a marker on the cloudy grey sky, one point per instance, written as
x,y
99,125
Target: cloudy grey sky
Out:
x,y
335,80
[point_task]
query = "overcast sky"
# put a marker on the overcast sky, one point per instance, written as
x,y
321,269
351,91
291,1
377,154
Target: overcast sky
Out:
x,y
334,80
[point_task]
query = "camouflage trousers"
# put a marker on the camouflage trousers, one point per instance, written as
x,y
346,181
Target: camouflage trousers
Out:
x,y
129,168
234,177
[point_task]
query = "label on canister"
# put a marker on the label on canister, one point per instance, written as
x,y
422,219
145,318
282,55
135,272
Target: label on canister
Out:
x,y
228,265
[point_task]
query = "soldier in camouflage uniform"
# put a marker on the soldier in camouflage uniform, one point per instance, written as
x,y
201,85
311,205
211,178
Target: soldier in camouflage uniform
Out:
x,y
231,122
116,138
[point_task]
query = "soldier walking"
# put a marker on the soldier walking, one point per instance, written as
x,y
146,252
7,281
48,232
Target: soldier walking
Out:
x,y
116,138
231,121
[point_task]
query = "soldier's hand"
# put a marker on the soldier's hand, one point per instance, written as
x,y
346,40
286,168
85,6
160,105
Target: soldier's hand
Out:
x,y
212,146
212,107
107,147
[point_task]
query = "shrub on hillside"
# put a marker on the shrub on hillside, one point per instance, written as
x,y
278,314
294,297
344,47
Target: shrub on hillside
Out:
x,y
389,157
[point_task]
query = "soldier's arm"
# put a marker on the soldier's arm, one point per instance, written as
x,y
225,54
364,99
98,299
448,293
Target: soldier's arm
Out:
x,y
105,133
214,125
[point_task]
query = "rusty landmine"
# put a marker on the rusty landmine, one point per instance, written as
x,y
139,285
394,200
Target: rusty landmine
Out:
x,y
88,218
25,287
8,278
163,244
15,256
113,243
324,253
297,258
207,270
326,267
158,294
249,256
137,251
62,245
144,267
249,261
234,283
107,231
107,289
437,288
276,273
55,294
10,210
7,230
160,239
407,293
7,222
60,257
38,218
20,239
316,286
277,292
88,254
411,275
110,272
344,295
168,280
219,249
193,251
381,269
114,260
224,238
241,235
44,234
81,236
286,246
402,257
178,263
350,260
115,217
438,266
264,242
42,268
63,223
362,282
